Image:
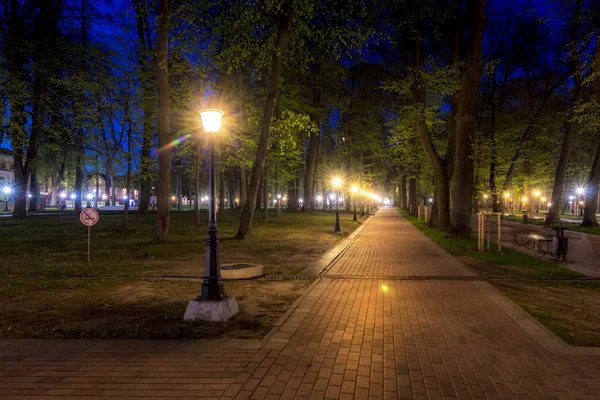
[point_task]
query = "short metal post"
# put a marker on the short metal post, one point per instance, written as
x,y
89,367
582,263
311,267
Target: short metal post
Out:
x,y
89,242
499,232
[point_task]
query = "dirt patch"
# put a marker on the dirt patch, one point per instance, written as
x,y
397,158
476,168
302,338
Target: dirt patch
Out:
x,y
149,309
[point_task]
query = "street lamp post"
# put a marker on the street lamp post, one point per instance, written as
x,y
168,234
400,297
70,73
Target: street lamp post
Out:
x,y
212,284
213,304
485,197
354,193
337,182
6,191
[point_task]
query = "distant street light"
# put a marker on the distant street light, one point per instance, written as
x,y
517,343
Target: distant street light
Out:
x,y
485,197
7,190
337,182
354,191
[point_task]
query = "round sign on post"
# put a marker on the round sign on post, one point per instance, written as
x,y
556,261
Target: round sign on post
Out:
x,y
89,217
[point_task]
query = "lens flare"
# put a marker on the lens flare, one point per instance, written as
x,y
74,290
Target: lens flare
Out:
x,y
169,146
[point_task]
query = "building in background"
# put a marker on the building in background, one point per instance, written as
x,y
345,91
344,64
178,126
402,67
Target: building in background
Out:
x,y
7,168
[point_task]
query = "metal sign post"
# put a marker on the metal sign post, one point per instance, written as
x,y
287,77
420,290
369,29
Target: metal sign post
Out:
x,y
89,217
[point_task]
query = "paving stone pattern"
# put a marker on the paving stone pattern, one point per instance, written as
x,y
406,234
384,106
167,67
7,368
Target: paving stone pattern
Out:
x,y
346,339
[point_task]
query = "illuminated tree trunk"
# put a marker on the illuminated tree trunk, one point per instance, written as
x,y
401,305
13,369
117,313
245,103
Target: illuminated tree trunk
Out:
x,y
460,223
163,188
285,24
591,189
558,191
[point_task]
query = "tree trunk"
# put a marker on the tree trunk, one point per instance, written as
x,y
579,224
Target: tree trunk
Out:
x,y
412,197
221,190
265,195
54,195
34,191
97,188
243,186
285,24
403,203
591,189
259,198
129,166
292,200
440,165
145,179
231,190
558,191
591,193
163,188
309,177
460,224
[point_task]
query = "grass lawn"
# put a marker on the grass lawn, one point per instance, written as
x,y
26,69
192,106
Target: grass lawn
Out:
x,y
57,245
507,263
115,304
570,309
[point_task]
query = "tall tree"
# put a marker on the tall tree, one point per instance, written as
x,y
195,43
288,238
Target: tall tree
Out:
x,y
460,225
163,188
558,191
285,18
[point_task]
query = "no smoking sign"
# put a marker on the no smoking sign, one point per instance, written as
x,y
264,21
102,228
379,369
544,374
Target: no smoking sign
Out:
x,y
89,217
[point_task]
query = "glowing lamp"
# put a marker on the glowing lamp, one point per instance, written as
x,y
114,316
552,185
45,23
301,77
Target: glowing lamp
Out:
x,y
7,190
537,193
337,182
354,189
63,195
73,196
580,190
211,119
319,198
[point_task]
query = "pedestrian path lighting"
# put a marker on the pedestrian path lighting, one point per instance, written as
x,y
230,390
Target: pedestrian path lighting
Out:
x,y
537,194
354,190
337,183
213,304
485,197
7,190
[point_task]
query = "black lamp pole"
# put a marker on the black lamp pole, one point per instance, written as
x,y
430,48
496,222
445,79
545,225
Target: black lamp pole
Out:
x,y
337,228
354,200
212,284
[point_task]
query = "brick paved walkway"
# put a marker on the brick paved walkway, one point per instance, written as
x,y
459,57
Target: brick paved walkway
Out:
x,y
347,338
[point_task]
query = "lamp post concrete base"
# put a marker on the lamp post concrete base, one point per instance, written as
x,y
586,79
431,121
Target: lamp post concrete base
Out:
x,y
338,233
211,310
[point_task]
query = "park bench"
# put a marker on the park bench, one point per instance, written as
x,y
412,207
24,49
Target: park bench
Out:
x,y
542,244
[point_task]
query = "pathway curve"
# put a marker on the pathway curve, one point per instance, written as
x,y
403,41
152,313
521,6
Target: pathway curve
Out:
x,y
380,332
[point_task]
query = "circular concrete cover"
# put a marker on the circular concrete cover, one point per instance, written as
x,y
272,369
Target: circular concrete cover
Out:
x,y
242,271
